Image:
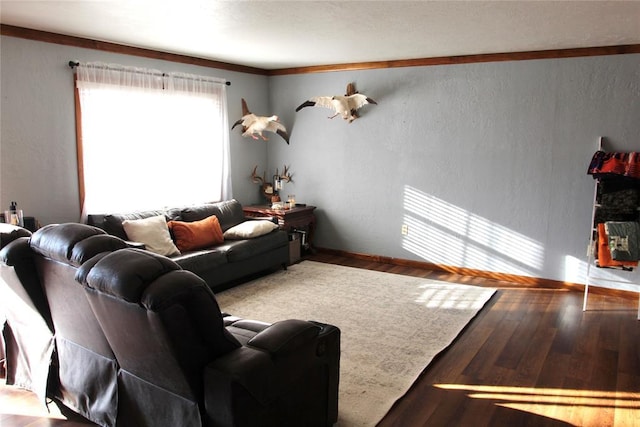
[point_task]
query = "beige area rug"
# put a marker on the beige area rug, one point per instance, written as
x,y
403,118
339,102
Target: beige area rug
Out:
x,y
391,325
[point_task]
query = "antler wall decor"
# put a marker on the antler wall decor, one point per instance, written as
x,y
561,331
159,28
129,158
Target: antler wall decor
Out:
x,y
270,189
255,178
279,178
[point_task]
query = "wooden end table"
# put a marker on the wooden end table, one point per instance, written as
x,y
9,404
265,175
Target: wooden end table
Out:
x,y
298,218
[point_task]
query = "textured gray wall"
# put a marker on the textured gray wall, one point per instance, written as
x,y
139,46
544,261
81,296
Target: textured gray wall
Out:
x,y
486,163
37,128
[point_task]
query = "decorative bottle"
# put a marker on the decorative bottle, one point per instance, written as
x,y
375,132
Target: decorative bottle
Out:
x,y
13,215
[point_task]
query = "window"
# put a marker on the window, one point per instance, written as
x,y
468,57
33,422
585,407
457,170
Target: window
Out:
x,y
148,140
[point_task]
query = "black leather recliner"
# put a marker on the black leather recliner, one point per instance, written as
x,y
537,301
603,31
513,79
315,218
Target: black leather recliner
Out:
x,y
141,342
87,368
9,233
28,329
184,363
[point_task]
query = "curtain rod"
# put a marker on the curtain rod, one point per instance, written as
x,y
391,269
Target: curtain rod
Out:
x,y
73,64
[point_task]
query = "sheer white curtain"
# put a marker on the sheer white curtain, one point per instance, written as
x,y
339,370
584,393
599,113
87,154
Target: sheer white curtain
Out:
x,y
150,139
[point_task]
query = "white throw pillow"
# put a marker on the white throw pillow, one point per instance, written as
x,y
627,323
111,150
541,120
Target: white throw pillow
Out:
x,y
153,232
250,229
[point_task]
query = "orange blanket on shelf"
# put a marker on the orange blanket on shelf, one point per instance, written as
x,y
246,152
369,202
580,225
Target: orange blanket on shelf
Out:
x,y
604,254
615,164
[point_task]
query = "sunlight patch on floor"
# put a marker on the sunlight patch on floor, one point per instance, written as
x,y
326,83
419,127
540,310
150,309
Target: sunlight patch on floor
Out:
x,y
19,402
448,297
560,404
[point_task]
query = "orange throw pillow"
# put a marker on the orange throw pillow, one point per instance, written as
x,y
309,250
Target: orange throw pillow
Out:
x,y
197,234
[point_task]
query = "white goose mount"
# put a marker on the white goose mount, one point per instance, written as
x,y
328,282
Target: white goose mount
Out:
x,y
253,125
346,106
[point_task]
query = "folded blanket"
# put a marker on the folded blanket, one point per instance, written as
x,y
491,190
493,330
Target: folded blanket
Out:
x,y
624,243
604,254
605,164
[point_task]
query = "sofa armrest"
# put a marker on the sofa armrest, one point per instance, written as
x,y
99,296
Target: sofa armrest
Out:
x,y
285,336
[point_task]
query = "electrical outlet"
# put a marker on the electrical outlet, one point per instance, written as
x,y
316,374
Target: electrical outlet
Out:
x,y
405,229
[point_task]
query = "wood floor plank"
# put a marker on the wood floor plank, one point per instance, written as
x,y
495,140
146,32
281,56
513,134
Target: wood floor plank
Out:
x,y
526,327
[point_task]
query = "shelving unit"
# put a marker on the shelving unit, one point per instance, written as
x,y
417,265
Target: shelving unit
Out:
x,y
628,280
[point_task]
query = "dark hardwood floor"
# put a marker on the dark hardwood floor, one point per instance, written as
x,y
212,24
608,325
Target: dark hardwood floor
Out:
x,y
531,357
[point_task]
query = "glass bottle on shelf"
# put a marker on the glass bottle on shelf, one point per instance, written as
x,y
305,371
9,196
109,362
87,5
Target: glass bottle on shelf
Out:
x,y
14,215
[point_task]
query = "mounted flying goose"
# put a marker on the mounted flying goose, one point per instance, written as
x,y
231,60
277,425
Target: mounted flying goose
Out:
x,y
346,106
253,125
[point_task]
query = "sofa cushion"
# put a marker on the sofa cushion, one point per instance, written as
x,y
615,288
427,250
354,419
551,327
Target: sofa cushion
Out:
x,y
201,260
112,223
153,232
228,212
238,250
250,229
197,234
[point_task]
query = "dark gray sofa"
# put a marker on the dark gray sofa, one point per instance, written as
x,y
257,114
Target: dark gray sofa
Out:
x,y
221,264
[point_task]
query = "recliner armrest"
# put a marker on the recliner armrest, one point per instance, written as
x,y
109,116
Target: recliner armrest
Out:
x,y
278,365
16,251
251,368
285,336
255,365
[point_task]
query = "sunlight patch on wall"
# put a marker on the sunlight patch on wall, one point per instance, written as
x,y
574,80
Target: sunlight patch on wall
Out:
x,y
576,272
443,233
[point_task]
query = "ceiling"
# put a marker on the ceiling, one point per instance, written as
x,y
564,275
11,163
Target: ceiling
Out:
x,y
289,34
